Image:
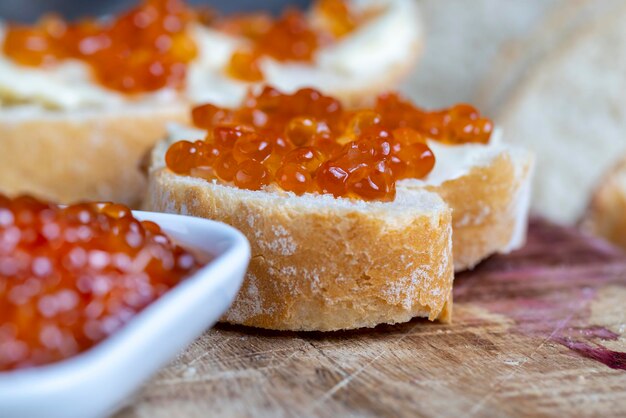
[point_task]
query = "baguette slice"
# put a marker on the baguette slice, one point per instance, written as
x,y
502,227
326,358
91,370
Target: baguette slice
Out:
x,y
488,189
64,138
569,110
516,59
320,263
374,57
606,215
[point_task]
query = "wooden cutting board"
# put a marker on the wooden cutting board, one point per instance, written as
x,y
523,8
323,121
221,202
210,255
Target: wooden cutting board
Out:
x,y
535,333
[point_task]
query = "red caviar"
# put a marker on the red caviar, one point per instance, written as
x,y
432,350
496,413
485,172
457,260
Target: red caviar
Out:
x,y
291,37
145,49
288,38
149,47
337,16
459,124
70,277
306,142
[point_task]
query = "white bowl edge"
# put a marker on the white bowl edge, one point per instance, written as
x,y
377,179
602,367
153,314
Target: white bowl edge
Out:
x,y
95,382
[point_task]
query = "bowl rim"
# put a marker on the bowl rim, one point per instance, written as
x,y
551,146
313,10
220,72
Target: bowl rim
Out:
x,y
54,375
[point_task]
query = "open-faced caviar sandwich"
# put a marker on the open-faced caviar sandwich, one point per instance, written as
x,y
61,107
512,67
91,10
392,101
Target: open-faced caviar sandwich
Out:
x,y
71,276
81,102
353,215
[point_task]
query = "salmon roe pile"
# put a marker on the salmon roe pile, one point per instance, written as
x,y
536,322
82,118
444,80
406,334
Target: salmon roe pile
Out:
x,y
70,277
291,37
143,50
308,143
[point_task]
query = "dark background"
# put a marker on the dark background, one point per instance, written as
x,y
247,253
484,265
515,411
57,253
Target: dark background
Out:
x,y
29,10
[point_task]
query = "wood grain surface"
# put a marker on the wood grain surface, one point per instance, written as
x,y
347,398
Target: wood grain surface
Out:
x,y
535,333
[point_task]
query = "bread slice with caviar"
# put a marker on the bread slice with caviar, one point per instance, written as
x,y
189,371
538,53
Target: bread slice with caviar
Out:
x,y
320,263
77,114
606,214
307,180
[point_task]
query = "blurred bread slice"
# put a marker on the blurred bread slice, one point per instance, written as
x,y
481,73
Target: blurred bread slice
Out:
x,y
374,57
606,215
571,112
517,57
65,138
461,43
80,155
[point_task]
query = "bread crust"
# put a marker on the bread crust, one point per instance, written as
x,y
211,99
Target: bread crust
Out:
x,y
489,206
323,267
606,214
67,157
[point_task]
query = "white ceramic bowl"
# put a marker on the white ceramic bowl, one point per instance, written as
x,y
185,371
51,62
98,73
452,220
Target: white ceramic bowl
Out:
x,y
96,382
